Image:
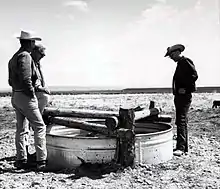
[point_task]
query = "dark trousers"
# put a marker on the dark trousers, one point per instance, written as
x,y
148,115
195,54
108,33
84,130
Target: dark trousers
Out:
x,y
182,104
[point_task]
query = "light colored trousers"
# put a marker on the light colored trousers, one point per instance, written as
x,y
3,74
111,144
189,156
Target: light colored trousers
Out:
x,y
26,109
43,100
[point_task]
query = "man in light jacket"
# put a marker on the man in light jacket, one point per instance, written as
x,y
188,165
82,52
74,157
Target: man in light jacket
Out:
x,y
22,78
42,91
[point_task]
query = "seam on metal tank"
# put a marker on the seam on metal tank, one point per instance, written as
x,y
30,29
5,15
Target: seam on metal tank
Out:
x,y
83,137
93,149
151,143
155,133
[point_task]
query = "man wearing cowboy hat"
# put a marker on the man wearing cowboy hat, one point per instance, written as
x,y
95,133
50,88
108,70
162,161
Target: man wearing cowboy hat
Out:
x,y
183,85
22,78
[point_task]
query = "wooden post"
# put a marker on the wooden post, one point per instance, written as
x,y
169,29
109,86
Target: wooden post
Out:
x,y
126,141
111,123
83,113
152,104
91,127
79,124
79,113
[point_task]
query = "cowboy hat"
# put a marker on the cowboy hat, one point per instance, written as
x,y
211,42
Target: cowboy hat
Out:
x,y
177,47
28,36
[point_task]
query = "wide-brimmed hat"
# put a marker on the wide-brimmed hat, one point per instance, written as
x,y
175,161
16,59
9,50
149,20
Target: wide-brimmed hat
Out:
x,y
177,47
28,36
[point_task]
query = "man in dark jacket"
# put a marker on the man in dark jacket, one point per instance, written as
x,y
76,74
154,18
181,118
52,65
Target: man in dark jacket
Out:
x,y
22,78
183,86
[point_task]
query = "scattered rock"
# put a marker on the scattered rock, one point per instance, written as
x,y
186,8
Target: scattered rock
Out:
x,y
218,161
62,180
35,183
2,179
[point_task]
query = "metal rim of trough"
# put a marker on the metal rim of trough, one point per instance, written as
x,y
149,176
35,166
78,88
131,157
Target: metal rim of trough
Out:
x,y
103,136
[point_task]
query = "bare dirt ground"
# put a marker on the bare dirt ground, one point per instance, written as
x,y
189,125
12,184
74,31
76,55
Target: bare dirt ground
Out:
x,y
199,169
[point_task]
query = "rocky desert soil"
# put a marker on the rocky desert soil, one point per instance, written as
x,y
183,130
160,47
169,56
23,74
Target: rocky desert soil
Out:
x,y
200,168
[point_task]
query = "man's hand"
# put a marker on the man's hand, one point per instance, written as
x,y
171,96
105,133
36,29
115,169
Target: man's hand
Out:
x,y
44,89
182,91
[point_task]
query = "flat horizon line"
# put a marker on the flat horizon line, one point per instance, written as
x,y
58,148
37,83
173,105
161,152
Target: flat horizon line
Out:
x,y
118,89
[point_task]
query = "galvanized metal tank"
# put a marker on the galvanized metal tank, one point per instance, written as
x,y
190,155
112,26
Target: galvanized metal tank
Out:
x,y
69,148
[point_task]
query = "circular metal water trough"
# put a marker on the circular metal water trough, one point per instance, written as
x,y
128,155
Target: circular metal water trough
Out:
x,y
69,148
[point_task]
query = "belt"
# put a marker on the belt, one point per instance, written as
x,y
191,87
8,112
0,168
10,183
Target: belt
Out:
x,y
17,90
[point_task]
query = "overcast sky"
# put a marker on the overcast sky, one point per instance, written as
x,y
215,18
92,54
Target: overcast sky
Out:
x,y
117,43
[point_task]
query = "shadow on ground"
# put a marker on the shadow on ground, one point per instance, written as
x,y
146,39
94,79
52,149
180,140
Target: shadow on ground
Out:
x,y
7,165
95,171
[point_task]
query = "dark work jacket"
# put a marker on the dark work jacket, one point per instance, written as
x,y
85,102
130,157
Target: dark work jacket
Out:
x,y
22,72
185,76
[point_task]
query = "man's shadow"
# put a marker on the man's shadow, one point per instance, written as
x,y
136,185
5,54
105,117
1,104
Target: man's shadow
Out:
x,y
7,165
8,159
93,171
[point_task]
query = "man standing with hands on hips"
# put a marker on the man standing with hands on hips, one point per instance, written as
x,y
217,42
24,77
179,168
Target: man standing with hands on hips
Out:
x,y
183,86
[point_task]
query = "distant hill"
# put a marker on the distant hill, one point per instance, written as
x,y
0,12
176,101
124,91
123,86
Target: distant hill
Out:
x,y
78,88
211,89
58,90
